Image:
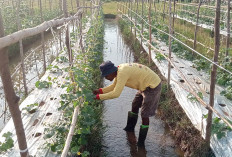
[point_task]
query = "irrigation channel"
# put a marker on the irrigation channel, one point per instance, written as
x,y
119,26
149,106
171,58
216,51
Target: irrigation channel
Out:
x,y
116,141
33,67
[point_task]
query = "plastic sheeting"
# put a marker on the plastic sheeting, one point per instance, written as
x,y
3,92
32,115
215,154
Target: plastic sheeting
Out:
x,y
200,81
46,114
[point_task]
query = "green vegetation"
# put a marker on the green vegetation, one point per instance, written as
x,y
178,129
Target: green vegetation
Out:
x,y
8,143
43,84
110,8
187,29
31,108
219,127
83,77
193,98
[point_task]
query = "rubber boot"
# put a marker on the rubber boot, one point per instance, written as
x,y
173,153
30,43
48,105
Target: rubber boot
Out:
x,y
142,135
131,122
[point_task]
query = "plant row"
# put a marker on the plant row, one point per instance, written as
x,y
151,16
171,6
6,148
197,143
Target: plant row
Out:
x,y
223,78
84,76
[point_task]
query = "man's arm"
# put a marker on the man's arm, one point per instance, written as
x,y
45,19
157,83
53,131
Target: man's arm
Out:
x,y
120,83
108,88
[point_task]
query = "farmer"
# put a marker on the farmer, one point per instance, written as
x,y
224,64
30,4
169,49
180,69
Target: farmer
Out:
x,y
138,77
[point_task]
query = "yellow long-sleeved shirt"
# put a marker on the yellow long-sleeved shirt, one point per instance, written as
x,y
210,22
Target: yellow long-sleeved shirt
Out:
x,y
132,75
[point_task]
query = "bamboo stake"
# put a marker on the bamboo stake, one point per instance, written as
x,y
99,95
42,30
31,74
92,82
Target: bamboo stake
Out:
x,y
42,38
60,5
142,21
173,16
78,4
149,17
170,40
80,27
72,5
21,50
67,37
196,28
164,10
213,72
131,13
11,97
228,29
136,15
71,132
36,66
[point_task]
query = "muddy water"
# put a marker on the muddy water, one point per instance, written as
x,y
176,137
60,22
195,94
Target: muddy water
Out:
x,y
116,142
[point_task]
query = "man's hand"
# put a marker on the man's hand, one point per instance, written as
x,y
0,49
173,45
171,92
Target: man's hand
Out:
x,y
96,91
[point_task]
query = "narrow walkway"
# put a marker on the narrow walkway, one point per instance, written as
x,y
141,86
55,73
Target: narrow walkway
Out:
x,y
116,141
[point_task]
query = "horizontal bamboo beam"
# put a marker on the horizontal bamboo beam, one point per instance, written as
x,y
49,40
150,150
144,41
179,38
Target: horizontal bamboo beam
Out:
x,y
15,37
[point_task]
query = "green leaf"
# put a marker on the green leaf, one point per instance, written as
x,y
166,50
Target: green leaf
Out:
x,y
221,134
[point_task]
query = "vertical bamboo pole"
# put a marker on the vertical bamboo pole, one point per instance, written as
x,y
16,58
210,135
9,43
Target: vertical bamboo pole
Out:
x,y
21,49
11,97
149,17
142,21
173,16
60,5
131,14
36,67
91,10
136,16
164,10
213,72
170,42
155,11
50,5
228,29
72,6
196,28
78,4
80,27
67,37
42,38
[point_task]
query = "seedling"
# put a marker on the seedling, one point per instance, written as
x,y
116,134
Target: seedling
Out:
x,y
218,127
9,142
32,108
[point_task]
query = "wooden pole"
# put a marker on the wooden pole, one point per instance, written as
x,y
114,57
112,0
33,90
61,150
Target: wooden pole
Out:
x,y
131,14
42,38
137,6
67,37
71,132
196,28
142,20
173,17
78,4
213,72
80,27
170,42
72,6
149,17
11,97
60,5
164,10
228,29
21,49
